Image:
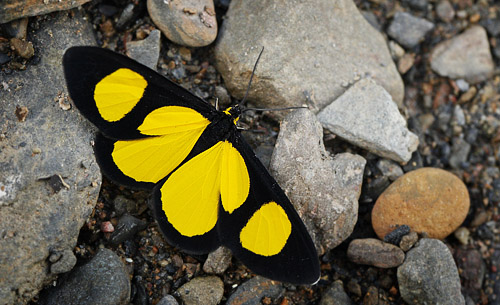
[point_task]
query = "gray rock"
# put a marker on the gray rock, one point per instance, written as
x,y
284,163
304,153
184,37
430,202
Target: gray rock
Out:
x,y
409,30
445,11
464,56
366,116
429,275
15,9
146,51
168,300
127,227
374,252
252,291
202,290
323,190
390,169
190,22
64,263
459,153
36,218
335,295
104,280
218,261
311,52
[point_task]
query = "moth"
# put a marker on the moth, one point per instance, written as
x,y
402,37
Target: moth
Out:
x,y
208,187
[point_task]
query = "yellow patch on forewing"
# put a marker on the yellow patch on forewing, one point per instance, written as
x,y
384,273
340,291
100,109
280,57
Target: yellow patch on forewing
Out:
x,y
190,196
116,94
152,159
172,119
267,231
235,182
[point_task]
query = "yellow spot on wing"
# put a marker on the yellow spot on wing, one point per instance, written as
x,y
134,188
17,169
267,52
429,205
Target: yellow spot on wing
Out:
x,y
235,182
191,194
152,159
190,197
267,231
116,94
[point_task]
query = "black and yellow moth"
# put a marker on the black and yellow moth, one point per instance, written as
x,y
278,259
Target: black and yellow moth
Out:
x,y
209,189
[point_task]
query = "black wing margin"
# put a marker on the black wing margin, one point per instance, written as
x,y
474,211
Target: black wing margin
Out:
x,y
297,262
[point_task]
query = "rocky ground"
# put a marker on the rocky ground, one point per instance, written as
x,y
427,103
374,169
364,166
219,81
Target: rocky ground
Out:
x,y
394,169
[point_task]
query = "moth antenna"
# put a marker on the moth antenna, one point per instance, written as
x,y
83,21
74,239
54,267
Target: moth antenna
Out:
x,y
251,77
217,103
275,109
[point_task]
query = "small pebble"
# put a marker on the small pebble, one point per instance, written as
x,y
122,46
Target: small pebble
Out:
x,y
202,290
408,241
406,62
168,300
146,51
428,200
374,252
390,169
465,56
472,269
254,290
394,237
445,11
479,218
127,227
462,234
22,48
218,261
107,227
335,295
409,30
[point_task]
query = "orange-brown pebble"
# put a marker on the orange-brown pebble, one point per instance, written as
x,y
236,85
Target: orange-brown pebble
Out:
x,y
428,200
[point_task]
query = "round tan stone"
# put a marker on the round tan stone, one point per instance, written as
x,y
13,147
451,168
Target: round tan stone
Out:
x,y
428,200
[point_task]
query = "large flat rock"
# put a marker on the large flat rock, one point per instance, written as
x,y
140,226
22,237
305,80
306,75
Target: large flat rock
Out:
x,y
313,52
49,180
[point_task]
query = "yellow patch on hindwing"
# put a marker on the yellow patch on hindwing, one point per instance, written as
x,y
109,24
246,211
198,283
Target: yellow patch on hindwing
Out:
x,y
175,131
190,196
267,231
117,93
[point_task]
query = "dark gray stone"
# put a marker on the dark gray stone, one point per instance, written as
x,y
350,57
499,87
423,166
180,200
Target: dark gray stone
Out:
x,y
312,57
409,30
127,227
323,189
104,280
335,295
429,275
36,220
252,291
